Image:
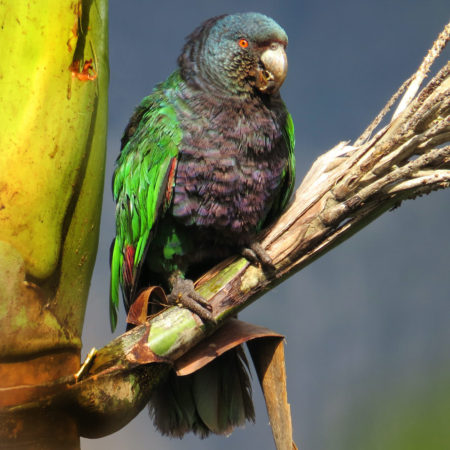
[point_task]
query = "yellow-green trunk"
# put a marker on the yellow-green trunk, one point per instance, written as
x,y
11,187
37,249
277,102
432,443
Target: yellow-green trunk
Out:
x,y
53,116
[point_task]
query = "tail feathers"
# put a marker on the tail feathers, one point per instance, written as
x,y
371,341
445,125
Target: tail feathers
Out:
x,y
222,393
215,399
172,408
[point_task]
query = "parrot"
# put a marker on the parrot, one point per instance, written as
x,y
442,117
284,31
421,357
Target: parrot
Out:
x,y
206,162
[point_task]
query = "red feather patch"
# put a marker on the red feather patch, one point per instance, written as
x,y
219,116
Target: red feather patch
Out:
x,y
128,264
170,180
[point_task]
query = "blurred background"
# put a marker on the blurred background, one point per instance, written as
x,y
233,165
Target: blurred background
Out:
x,y
368,325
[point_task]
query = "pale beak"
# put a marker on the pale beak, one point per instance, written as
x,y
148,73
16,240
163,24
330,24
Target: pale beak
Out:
x,y
273,70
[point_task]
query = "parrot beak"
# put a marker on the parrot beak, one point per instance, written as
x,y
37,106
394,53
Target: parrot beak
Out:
x,y
272,70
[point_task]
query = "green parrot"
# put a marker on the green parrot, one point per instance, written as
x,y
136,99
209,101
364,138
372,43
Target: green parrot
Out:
x,y
206,162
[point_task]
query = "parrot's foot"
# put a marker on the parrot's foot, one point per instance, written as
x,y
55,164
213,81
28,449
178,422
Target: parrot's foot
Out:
x,y
257,255
184,294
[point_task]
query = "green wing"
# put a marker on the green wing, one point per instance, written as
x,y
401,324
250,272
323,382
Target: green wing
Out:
x,y
288,176
142,186
289,173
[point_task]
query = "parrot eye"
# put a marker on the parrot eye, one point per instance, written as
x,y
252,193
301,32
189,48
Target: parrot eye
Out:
x,y
243,43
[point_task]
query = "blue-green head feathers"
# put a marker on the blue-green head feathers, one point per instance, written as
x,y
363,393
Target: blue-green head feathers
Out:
x,y
234,54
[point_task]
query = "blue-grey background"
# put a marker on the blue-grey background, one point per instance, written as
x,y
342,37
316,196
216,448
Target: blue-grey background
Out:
x,y
367,325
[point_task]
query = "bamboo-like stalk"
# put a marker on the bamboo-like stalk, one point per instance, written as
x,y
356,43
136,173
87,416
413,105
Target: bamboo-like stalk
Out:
x,y
53,111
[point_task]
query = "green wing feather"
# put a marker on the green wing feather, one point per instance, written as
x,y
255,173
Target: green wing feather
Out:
x,y
288,176
140,183
289,173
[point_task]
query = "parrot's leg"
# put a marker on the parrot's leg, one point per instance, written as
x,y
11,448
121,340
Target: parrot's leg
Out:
x,y
257,255
183,293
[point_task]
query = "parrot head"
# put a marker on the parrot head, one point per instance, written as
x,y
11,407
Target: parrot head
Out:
x,y
236,54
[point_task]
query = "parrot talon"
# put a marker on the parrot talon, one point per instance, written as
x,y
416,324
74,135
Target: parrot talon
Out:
x,y
184,294
257,255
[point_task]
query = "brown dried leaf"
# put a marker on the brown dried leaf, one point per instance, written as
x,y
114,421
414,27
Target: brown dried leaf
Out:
x,y
234,332
268,358
138,312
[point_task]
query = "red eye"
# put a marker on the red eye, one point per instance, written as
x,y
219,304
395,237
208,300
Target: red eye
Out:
x,y
243,43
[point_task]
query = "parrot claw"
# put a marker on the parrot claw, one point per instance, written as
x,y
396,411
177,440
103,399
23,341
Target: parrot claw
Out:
x,y
257,255
184,294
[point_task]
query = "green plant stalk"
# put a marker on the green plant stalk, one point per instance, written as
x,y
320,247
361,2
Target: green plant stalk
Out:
x,y
53,97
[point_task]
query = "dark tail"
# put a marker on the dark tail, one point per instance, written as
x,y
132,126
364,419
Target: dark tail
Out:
x,y
215,399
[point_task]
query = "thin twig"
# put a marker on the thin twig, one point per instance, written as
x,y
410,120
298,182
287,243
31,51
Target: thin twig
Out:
x,y
438,45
